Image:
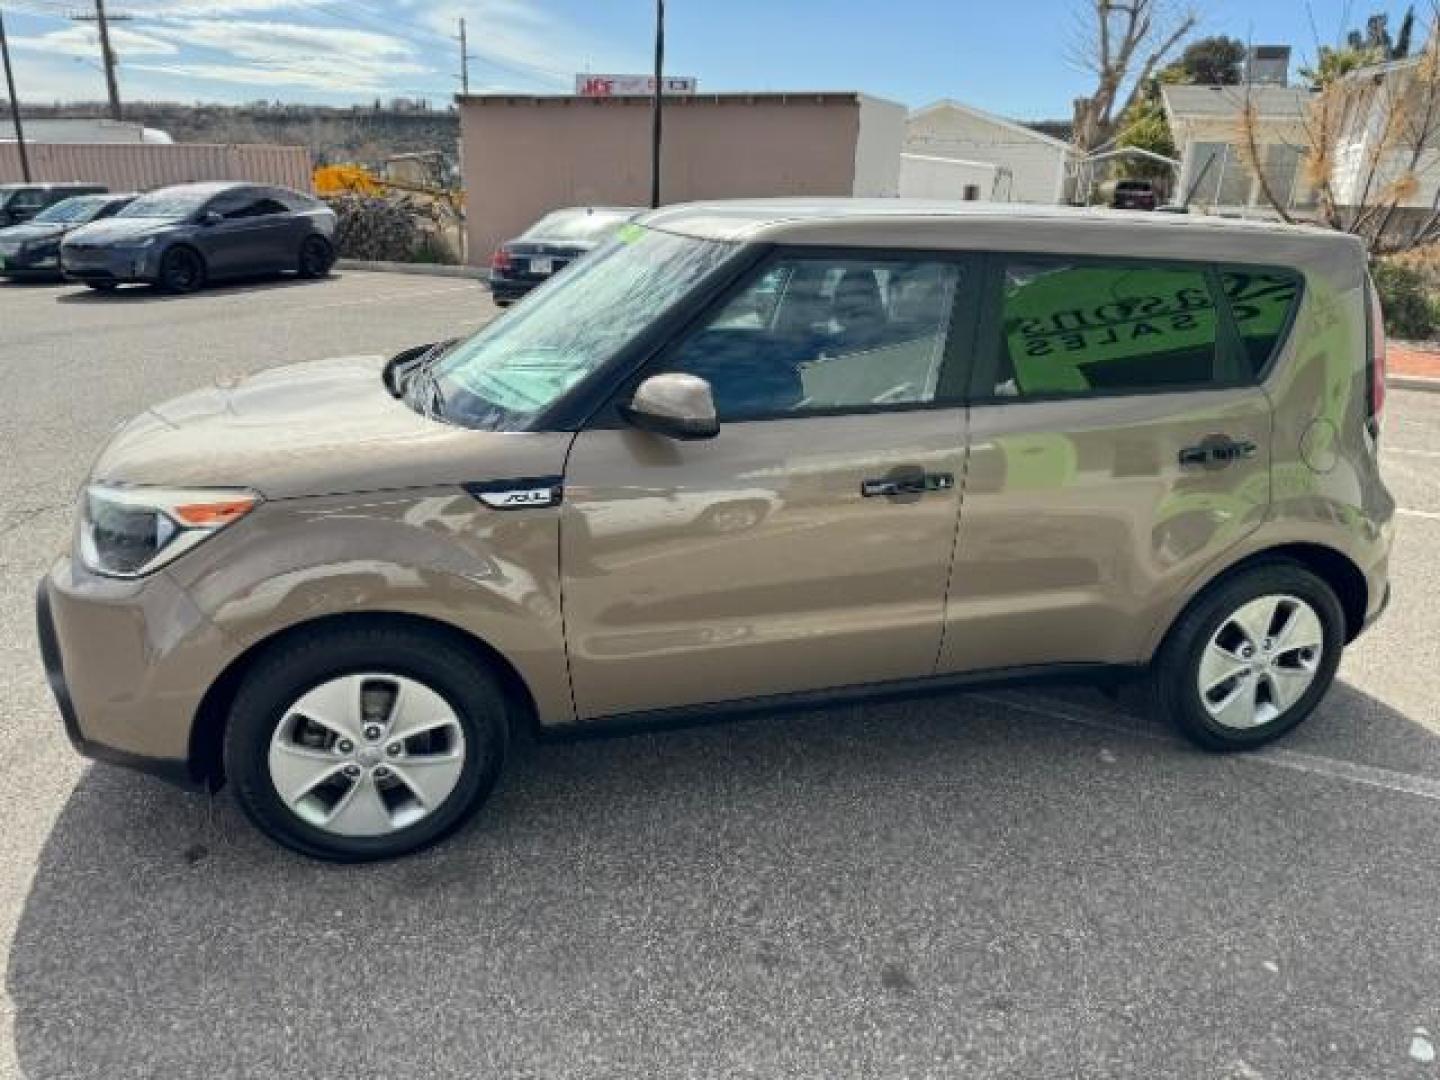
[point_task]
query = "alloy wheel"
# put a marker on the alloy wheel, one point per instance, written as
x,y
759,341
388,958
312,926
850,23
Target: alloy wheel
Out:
x,y
1260,661
366,754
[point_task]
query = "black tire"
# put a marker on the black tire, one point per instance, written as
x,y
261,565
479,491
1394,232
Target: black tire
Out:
x,y
304,661
317,256
182,270
101,286
1174,688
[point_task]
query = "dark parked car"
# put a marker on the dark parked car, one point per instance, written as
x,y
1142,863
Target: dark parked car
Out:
x,y
552,243
21,202
181,237
1132,195
32,250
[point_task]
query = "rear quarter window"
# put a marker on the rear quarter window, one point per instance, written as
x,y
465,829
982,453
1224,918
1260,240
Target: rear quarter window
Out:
x,y
1263,302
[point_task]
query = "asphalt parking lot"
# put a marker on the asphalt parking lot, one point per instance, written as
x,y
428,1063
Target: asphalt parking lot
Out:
x,y
1027,884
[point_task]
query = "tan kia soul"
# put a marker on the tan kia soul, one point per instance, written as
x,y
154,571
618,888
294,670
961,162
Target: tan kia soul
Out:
x,y
744,455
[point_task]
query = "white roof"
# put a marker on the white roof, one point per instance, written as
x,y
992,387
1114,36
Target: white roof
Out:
x,y
949,104
1187,102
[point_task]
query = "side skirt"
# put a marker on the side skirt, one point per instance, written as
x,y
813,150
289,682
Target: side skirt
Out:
x,y
687,716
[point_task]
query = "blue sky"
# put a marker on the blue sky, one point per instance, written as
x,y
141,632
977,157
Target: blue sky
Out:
x,y
1010,58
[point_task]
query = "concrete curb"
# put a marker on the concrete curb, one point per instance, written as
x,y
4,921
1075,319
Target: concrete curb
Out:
x,y
426,269
1413,382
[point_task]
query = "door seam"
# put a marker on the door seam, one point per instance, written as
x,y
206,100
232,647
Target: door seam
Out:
x,y
560,579
960,489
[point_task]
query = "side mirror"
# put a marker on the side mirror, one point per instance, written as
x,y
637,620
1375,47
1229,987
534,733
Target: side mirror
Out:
x,y
211,217
674,405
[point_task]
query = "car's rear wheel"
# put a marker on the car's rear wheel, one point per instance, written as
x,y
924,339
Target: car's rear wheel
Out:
x,y
316,257
182,270
1251,658
365,742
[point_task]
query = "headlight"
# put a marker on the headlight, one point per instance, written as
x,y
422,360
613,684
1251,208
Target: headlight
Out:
x,y
145,243
128,532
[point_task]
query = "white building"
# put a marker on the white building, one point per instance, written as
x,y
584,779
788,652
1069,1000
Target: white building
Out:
x,y
1205,124
1038,164
1363,167
925,177
66,130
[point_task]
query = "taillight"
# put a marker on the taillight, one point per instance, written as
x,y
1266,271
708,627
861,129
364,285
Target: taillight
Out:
x,y
1375,362
500,260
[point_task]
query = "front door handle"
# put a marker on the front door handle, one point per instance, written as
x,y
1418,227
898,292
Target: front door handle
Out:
x,y
910,483
1216,452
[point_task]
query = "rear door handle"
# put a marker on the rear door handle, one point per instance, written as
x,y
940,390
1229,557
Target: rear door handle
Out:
x,y
911,484
1216,452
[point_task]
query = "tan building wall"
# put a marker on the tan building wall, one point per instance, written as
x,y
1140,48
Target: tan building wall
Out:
x,y
524,156
140,167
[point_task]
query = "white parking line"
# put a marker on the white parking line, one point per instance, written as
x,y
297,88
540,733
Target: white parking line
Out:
x,y
1407,452
1426,515
1423,787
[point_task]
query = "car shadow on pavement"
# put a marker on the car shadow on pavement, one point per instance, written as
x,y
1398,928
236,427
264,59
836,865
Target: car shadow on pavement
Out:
x,y
141,294
1021,882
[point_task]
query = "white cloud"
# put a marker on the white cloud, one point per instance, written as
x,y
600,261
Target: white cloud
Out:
x,y
522,39
287,54
330,48
210,9
82,42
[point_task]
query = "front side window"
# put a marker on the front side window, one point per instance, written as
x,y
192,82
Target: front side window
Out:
x,y
523,362
254,206
167,204
1072,328
817,334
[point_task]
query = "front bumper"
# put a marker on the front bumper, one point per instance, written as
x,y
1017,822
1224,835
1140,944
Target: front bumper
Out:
x,y
27,262
106,265
129,663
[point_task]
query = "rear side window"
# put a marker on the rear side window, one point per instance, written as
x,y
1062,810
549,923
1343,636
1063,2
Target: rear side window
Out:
x,y
1077,328
1262,300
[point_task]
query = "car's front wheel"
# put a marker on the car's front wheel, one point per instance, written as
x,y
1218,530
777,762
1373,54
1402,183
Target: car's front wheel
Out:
x,y
182,270
1251,658
316,257
365,742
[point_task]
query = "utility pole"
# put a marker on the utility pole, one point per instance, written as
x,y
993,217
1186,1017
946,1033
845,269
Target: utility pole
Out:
x,y
14,104
107,54
464,62
656,103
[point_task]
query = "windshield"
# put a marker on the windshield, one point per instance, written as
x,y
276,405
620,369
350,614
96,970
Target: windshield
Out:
x,y
81,208
576,225
166,205
521,363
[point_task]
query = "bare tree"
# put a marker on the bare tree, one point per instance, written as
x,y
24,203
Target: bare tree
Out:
x,y
1123,43
1369,145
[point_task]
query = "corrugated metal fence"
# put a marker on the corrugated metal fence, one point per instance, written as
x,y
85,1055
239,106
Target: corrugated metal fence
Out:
x,y
140,167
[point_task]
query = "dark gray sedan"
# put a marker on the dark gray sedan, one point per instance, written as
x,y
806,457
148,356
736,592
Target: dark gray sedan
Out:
x,y
550,245
182,237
